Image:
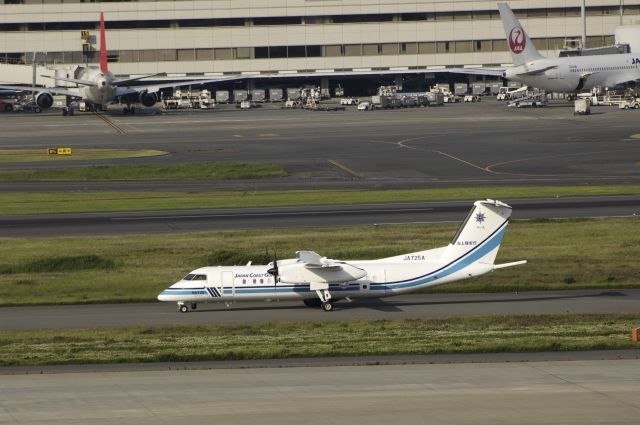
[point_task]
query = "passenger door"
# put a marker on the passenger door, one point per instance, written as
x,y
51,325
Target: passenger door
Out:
x,y
227,282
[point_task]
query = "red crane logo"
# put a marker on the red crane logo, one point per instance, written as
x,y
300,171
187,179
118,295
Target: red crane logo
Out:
x,y
517,40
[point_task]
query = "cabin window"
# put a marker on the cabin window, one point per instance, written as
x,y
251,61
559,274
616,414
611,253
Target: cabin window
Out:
x,y
261,280
254,281
244,281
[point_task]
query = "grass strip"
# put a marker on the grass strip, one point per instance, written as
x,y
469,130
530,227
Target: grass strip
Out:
x,y
67,202
562,254
522,333
8,156
205,171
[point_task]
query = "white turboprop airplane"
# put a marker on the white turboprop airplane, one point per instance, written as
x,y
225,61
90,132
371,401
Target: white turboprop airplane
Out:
x,y
566,74
98,86
319,281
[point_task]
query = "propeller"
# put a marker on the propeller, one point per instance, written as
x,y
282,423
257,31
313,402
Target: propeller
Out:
x,y
274,270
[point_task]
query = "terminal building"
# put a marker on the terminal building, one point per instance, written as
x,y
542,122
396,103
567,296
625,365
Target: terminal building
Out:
x,y
251,37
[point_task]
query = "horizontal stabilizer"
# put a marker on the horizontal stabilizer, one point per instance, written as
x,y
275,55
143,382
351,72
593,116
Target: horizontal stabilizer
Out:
x,y
505,265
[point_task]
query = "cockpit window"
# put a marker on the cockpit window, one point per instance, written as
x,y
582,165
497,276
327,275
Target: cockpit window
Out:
x,y
195,277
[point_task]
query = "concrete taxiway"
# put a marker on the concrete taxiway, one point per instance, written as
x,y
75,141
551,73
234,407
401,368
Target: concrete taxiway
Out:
x,y
305,216
422,306
536,393
460,144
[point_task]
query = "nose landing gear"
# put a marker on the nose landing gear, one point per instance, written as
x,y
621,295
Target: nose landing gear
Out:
x,y
183,308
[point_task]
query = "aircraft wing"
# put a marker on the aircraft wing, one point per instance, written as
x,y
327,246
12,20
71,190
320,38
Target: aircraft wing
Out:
x,y
71,91
492,72
72,80
153,88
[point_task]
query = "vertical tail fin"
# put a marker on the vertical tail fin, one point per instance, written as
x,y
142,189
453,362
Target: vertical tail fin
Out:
x,y
481,233
520,45
104,67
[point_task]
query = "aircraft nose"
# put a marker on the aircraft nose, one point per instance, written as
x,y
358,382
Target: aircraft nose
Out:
x,y
163,296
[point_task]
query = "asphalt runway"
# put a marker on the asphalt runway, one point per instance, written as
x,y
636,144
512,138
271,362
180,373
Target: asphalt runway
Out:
x,y
536,393
307,216
400,307
456,145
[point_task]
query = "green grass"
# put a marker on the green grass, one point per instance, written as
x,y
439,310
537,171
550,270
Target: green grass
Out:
x,y
524,333
78,154
563,254
64,202
205,171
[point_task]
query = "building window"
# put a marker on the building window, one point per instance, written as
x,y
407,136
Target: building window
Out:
x,y
332,50
389,49
370,49
314,51
227,54
186,55
296,51
204,54
261,53
242,52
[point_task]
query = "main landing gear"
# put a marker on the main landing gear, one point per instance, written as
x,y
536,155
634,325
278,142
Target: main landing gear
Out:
x,y
183,308
323,301
129,110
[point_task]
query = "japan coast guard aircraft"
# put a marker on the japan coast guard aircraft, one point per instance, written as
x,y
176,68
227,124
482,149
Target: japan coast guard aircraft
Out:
x,y
319,281
99,87
566,74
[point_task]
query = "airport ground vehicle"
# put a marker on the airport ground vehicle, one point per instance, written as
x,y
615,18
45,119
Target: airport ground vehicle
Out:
x,y
630,104
349,101
365,106
320,281
472,98
582,107
536,100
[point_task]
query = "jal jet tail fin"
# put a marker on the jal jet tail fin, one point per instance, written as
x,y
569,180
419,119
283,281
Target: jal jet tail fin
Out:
x,y
520,45
104,67
478,238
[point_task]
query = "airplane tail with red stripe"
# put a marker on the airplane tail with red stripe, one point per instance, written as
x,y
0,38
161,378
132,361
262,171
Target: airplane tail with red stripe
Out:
x,y
104,67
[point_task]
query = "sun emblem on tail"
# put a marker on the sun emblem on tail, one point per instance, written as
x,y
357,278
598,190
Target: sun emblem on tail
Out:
x,y
480,217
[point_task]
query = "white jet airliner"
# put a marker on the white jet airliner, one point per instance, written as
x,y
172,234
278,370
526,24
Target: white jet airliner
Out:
x,y
567,74
99,87
319,281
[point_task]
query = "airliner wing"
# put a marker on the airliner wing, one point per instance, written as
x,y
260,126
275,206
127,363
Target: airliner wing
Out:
x,y
153,88
492,72
53,90
72,80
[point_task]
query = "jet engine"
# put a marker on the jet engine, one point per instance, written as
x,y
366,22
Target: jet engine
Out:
x,y
148,99
44,100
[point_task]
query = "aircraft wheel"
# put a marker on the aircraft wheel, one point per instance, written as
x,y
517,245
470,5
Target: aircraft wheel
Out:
x,y
327,306
37,110
125,111
64,112
132,110
8,107
183,308
194,306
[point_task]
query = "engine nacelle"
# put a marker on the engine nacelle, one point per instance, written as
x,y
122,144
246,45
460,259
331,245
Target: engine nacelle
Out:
x,y
44,100
148,99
